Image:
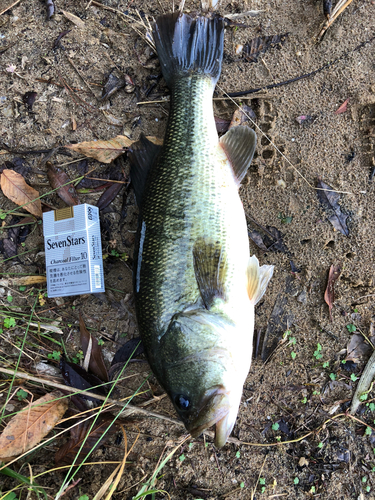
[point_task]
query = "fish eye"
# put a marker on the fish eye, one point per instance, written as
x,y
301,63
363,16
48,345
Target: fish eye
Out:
x,y
182,402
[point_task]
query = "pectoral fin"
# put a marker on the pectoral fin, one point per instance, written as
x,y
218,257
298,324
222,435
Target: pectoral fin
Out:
x,y
210,269
142,154
239,145
257,279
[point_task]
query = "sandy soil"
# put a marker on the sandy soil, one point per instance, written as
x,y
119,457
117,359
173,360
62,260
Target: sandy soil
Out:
x,y
295,392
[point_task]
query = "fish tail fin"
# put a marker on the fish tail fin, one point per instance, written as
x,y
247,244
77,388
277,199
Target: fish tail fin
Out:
x,y
186,44
257,279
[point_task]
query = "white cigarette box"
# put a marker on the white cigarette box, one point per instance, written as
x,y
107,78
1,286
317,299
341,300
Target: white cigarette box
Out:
x,y
73,249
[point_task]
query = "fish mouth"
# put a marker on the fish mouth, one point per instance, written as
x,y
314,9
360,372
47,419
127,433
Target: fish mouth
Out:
x,y
216,410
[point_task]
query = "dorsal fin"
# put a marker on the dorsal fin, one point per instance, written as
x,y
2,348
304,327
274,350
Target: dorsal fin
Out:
x,y
239,145
142,155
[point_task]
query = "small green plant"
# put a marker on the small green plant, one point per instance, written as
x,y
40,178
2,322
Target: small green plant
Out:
x,y
285,219
22,288
353,377
372,406
21,395
181,458
56,355
238,454
100,342
368,489
9,298
351,328
275,426
318,354
9,322
316,393
332,376
242,485
304,400
326,364
312,489
364,479
368,431
262,482
11,495
296,480
320,445
84,497
293,354
77,357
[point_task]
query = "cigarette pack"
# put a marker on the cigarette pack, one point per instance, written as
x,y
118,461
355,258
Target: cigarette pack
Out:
x,y
73,251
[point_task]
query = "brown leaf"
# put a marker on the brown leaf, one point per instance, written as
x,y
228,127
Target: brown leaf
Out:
x,y
358,347
15,188
107,151
329,294
26,429
23,280
58,180
98,435
104,151
96,363
74,19
261,44
342,108
329,198
109,195
240,116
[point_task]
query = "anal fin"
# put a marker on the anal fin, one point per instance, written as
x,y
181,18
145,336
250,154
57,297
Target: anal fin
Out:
x,y
257,279
142,155
239,145
210,267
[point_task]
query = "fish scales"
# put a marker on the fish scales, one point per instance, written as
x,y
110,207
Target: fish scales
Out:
x,y
195,284
189,194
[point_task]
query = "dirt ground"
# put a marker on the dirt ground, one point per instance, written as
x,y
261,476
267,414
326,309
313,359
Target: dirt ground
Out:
x,y
300,386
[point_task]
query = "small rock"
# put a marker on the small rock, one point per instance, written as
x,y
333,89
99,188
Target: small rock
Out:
x,y
302,297
59,301
302,462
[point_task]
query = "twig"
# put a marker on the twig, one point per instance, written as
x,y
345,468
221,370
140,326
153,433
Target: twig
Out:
x,y
301,77
10,7
260,473
129,407
339,8
71,92
4,49
106,180
79,74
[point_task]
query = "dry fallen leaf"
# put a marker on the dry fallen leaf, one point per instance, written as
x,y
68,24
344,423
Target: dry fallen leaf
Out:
x,y
96,362
329,294
59,179
74,19
342,108
329,199
84,439
23,280
15,188
106,151
26,429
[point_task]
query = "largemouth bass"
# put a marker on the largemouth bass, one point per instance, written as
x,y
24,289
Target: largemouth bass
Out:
x,y
195,283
